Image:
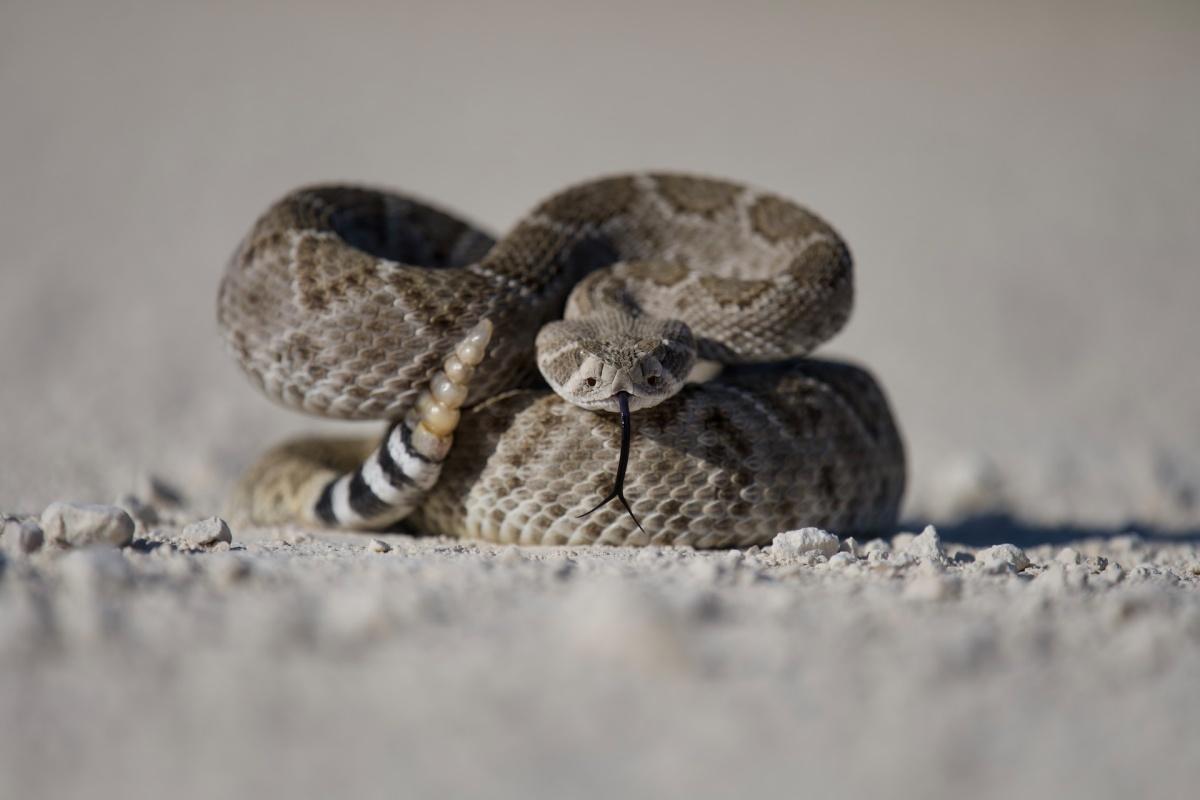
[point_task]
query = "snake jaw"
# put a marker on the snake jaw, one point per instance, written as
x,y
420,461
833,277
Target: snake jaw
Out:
x,y
618,490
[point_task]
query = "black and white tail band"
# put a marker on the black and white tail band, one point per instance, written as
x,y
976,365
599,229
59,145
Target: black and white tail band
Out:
x,y
393,480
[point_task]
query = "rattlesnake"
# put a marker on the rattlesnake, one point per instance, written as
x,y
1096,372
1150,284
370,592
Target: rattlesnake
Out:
x,y
356,303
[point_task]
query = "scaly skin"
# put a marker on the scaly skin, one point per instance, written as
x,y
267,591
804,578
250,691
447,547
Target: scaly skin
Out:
x,y
346,302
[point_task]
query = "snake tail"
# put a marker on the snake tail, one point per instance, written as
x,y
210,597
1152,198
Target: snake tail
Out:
x,y
392,481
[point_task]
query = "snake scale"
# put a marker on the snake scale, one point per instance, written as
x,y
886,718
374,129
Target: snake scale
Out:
x,y
513,370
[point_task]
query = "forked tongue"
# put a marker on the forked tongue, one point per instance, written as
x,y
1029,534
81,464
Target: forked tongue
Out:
x,y
618,490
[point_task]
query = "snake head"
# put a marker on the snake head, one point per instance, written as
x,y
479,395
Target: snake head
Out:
x,y
590,360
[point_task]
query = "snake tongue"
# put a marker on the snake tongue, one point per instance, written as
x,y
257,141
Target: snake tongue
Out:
x,y
618,490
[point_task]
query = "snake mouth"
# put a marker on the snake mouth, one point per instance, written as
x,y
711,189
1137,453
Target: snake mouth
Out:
x,y
618,490
612,402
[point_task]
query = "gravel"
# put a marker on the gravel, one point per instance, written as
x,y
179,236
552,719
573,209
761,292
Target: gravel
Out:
x,y
791,544
589,672
82,524
1003,556
208,532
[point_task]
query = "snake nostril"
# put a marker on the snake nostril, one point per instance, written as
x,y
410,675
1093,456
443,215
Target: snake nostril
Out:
x,y
590,382
652,380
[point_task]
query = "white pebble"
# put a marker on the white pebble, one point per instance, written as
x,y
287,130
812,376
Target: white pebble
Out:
x,y
876,546
851,545
379,546
927,547
840,560
805,540
1003,555
81,524
208,532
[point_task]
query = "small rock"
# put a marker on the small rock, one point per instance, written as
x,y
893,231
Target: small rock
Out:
x,y
1003,556
1068,555
379,546
839,560
927,547
850,545
208,532
82,524
929,586
805,540
876,546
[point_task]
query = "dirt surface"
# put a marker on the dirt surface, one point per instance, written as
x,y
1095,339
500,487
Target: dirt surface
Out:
x,y
308,666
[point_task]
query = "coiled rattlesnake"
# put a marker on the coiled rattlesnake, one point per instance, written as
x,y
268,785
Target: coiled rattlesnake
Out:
x,y
361,304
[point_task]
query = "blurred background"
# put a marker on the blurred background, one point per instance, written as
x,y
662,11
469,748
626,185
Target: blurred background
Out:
x,y
1019,183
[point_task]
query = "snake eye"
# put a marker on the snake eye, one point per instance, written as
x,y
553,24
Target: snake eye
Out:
x,y
590,382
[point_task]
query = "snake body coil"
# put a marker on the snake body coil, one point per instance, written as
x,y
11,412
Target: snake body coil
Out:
x,y
361,304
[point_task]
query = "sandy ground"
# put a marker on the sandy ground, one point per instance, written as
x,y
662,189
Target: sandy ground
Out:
x,y
1019,184
299,666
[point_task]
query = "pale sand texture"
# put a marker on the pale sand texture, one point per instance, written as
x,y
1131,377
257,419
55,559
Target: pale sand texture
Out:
x,y
1019,183
318,668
